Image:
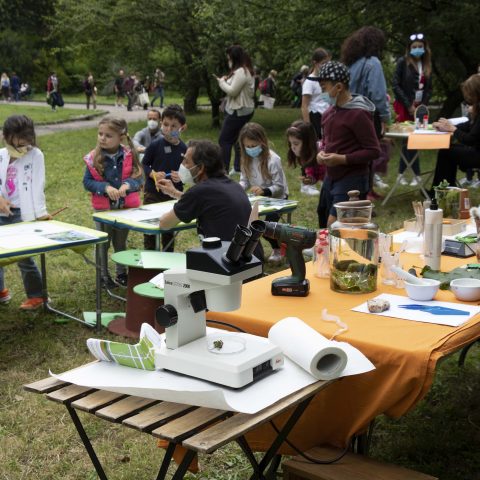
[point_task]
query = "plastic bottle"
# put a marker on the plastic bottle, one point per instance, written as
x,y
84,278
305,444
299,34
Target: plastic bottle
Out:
x,y
432,245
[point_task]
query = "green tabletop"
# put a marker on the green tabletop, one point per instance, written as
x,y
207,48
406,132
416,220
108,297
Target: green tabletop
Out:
x,y
148,290
151,259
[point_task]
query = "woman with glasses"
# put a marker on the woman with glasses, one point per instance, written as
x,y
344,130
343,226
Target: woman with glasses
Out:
x,y
412,86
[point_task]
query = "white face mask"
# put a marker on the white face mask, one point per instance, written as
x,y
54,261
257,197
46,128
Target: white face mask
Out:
x,y
152,124
185,175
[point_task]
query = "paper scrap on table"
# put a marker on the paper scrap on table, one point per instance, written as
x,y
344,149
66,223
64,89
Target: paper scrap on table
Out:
x,y
141,213
458,120
158,281
172,387
163,260
416,315
422,131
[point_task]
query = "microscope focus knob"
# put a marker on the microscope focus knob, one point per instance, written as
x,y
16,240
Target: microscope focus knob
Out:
x,y
166,316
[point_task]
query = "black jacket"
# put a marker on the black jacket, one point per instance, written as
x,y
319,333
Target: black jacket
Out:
x,y
405,82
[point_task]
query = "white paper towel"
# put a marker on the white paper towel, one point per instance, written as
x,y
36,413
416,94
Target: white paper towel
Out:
x,y
322,358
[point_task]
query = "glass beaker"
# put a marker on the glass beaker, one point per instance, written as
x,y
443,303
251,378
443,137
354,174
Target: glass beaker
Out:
x,y
353,240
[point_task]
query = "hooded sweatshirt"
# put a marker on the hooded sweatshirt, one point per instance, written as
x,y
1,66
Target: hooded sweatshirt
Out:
x,y
348,130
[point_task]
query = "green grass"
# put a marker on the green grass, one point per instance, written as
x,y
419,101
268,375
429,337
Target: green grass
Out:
x,y
42,114
37,438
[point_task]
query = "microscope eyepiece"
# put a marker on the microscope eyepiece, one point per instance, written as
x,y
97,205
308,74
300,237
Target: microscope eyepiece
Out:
x,y
257,227
240,238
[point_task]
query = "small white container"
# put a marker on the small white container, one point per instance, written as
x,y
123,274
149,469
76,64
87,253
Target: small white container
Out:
x,y
422,292
466,289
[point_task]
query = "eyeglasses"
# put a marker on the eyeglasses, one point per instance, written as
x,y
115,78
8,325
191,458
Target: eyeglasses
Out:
x,y
416,36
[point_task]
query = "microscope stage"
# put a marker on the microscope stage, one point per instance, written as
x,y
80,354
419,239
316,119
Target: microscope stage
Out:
x,y
230,359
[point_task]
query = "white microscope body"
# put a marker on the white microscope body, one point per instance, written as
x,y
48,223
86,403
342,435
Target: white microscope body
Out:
x,y
213,279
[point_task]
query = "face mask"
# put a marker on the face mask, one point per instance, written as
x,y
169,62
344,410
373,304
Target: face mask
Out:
x,y
253,151
325,96
152,124
185,174
417,52
172,134
18,152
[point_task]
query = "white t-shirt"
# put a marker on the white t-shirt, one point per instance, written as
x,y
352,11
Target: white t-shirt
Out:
x,y
11,185
313,88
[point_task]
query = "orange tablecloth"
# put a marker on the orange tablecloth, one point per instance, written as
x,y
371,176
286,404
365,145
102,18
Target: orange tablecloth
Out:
x,y
405,354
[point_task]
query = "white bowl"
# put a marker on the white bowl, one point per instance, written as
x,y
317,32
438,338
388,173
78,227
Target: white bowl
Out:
x,y
422,292
466,289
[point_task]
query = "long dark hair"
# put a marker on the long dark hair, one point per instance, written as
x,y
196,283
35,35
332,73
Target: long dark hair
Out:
x,y
364,42
20,127
304,132
471,93
426,57
240,58
319,56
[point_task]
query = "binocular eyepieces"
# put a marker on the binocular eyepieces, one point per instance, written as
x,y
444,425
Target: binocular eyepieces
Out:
x,y
244,241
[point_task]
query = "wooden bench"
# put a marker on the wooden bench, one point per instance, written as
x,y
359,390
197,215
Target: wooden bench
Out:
x,y
351,467
198,429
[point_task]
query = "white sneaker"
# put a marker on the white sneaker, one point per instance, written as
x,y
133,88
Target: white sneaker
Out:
x,y
309,190
475,184
465,182
403,180
275,256
415,181
379,183
308,252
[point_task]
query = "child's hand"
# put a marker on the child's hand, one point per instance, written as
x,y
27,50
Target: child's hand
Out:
x,y
307,180
113,193
123,189
5,206
256,190
331,159
174,176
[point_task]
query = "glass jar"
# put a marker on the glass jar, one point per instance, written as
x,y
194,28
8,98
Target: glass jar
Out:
x,y
353,240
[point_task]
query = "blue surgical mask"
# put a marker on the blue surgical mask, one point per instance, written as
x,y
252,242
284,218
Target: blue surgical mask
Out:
x,y
417,52
254,151
325,96
172,133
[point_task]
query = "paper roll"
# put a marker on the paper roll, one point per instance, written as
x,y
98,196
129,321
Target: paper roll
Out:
x,y
322,358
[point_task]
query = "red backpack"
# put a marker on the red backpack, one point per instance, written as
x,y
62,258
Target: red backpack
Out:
x,y
263,85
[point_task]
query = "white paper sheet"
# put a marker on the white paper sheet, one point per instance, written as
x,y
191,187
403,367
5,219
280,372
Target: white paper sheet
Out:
x,y
458,120
11,242
33,228
422,131
167,386
422,316
142,213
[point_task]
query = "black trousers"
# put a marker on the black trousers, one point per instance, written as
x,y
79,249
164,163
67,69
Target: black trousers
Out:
x,y
316,121
232,124
149,240
448,160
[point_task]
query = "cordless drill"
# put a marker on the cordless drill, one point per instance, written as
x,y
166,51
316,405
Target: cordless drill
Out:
x,y
296,239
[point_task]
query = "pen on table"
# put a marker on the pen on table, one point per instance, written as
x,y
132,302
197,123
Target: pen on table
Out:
x,y
58,211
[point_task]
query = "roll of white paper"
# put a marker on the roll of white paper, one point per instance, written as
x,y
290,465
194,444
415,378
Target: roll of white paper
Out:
x,y
322,358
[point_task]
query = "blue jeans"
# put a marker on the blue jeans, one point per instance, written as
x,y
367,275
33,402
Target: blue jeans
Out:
x,y
32,280
158,93
232,124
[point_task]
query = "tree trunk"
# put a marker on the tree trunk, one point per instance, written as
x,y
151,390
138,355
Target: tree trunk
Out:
x,y
190,100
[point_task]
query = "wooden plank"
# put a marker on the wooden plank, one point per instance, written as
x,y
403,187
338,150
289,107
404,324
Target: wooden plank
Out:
x,y
69,393
188,424
46,385
222,433
96,400
350,466
124,408
157,415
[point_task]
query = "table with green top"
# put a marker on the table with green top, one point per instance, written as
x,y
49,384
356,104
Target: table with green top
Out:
x,y
143,297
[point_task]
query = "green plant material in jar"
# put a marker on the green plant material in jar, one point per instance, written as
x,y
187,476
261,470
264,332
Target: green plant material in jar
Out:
x,y
350,276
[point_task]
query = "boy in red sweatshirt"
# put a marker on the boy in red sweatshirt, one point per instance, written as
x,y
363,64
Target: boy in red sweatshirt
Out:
x,y
349,141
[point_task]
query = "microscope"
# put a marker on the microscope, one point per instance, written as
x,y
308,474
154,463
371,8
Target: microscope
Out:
x,y
296,239
213,279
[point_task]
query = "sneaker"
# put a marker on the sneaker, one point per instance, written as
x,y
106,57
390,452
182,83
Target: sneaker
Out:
x,y
403,180
32,303
475,184
308,252
379,183
415,181
108,283
465,182
309,190
5,296
122,279
275,256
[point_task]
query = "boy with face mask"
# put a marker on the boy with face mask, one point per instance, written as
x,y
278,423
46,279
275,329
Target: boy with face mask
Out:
x,y
349,142
162,160
144,137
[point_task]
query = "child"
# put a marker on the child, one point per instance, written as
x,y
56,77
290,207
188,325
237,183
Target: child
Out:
x,y
302,149
349,143
162,160
261,173
22,199
114,176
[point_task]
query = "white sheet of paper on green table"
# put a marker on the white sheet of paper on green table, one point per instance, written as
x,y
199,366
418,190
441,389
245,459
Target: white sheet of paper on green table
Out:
x,y
163,260
143,213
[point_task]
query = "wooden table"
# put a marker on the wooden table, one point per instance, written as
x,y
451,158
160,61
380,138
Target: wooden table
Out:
x,y
199,430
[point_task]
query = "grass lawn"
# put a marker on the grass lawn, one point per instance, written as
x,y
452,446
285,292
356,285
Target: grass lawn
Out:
x,y
42,115
441,436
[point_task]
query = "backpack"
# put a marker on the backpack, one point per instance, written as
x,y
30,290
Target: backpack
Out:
x,y
263,86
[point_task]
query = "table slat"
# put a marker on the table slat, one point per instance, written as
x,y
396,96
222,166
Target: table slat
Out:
x,y
46,385
230,429
96,400
157,415
187,425
124,408
69,393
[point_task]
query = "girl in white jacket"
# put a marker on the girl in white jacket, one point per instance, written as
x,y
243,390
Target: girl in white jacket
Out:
x,y
22,197
262,173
